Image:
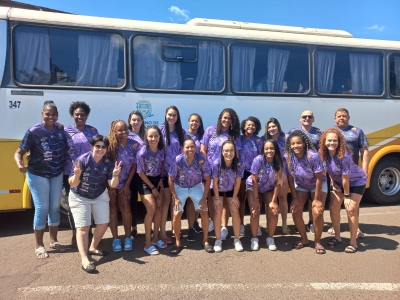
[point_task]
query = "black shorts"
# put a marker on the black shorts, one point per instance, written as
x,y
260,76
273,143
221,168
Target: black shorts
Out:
x,y
246,175
165,181
222,194
360,189
144,189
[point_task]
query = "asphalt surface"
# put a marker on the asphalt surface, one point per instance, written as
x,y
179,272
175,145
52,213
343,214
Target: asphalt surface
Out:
x,y
371,273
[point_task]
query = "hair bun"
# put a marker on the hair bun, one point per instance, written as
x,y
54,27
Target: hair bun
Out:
x,y
48,102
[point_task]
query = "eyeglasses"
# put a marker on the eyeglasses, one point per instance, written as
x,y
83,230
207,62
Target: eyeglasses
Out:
x,y
100,146
307,117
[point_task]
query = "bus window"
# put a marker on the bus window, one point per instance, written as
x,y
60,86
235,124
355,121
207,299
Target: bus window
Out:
x,y
263,68
348,72
177,64
394,67
68,58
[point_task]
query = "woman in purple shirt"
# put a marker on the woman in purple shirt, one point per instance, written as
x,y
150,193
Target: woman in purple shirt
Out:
x,y
273,130
173,135
80,134
227,173
348,184
124,150
251,147
306,169
227,128
186,181
150,167
136,132
267,175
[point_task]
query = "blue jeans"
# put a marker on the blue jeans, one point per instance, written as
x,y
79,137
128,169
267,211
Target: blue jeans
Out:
x,y
46,194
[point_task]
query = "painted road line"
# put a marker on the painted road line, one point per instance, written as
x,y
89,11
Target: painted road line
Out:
x,y
387,287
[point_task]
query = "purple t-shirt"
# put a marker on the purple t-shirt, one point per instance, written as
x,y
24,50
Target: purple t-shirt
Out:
x,y
355,140
267,177
135,137
81,140
227,177
186,175
94,176
214,143
250,149
314,135
48,149
303,169
337,167
127,155
172,150
195,138
150,162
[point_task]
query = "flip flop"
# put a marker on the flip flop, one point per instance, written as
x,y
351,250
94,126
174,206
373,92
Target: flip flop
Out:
x,y
319,249
160,244
58,247
151,250
333,242
208,248
90,268
298,245
98,252
176,250
41,251
350,249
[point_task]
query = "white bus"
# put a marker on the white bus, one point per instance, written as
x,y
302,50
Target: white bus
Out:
x,y
202,66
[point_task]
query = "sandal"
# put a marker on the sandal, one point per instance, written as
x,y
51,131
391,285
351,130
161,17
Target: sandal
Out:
x,y
160,244
176,250
209,248
41,253
58,247
151,250
319,249
90,268
298,245
98,252
350,249
360,234
167,240
285,230
331,231
333,242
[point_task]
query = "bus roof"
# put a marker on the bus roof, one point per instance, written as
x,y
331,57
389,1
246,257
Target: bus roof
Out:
x,y
206,28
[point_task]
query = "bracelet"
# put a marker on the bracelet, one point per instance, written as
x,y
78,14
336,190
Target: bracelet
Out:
x,y
347,195
256,198
153,188
216,198
115,176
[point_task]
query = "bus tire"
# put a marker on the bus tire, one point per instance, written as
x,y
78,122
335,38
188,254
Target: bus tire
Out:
x,y
64,208
384,186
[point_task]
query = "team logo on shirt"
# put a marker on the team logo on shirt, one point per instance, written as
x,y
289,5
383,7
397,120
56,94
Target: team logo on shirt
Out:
x,y
134,145
258,140
145,108
92,128
201,162
354,128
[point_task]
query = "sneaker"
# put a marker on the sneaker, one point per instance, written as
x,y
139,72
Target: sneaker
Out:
x,y
197,228
127,244
116,245
191,235
254,246
238,245
242,231
310,228
271,244
218,246
210,226
259,233
224,233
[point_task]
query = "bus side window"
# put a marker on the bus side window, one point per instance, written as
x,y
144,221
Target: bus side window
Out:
x,y
394,67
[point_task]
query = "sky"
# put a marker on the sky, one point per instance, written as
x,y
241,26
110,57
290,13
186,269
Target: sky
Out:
x,y
372,19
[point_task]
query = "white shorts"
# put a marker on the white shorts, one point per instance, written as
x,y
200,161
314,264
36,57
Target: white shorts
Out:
x,y
194,193
302,189
82,209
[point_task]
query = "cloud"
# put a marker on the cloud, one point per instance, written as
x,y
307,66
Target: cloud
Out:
x,y
181,13
376,27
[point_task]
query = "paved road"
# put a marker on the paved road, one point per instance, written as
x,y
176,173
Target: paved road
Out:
x,y
372,273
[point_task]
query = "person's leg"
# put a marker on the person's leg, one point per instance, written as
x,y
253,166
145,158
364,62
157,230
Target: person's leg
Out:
x,y
254,213
54,208
158,218
82,240
151,207
70,217
242,199
234,211
225,213
318,216
210,204
133,203
166,207
298,216
113,213
217,221
101,213
125,209
283,206
272,218
176,222
353,218
190,213
335,203
204,224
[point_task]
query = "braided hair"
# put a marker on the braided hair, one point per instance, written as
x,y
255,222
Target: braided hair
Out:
x,y
340,150
178,126
288,150
278,165
112,150
234,130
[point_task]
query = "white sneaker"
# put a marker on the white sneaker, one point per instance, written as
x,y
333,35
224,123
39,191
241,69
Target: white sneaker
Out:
x,y
210,226
242,231
254,244
271,244
238,245
224,233
259,233
218,246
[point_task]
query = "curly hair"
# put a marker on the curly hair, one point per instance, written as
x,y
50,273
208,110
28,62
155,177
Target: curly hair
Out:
x,y
278,165
234,130
178,126
340,150
160,145
235,158
200,130
276,122
142,127
256,122
288,150
79,104
112,149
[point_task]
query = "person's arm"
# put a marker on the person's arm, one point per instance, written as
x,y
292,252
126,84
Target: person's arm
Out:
x,y
160,185
18,158
203,150
75,179
236,188
318,185
217,200
295,202
273,205
114,181
126,188
177,201
364,153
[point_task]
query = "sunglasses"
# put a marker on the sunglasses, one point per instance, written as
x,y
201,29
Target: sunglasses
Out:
x,y
307,117
100,146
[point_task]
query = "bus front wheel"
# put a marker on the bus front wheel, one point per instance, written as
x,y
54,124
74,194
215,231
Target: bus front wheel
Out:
x,y
385,182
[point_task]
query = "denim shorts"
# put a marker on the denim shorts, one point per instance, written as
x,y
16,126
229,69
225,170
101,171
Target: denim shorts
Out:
x,y
302,189
194,193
